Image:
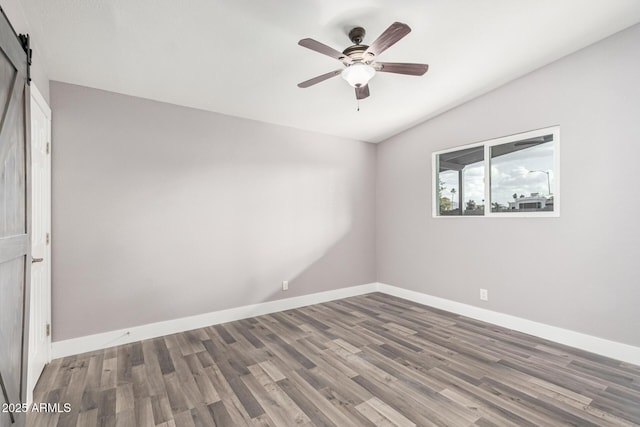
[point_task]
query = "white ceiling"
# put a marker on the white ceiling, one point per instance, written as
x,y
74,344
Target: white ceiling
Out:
x,y
241,58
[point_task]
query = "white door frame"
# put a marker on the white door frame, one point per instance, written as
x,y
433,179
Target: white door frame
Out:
x,y
40,301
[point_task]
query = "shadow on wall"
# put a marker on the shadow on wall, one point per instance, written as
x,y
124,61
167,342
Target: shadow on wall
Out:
x,y
285,223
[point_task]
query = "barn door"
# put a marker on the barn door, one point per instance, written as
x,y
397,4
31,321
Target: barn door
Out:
x,y
15,245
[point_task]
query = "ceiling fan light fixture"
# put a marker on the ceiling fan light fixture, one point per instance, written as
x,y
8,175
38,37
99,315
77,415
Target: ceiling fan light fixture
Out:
x,y
358,74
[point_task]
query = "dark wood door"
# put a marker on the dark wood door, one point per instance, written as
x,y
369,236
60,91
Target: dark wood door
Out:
x,y
15,257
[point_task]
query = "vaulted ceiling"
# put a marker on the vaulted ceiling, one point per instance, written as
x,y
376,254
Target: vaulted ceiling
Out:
x,y
241,57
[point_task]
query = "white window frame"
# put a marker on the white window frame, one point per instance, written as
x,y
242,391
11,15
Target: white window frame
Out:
x,y
554,130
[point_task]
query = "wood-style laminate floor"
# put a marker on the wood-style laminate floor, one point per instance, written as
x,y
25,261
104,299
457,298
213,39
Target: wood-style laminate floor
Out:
x,y
361,361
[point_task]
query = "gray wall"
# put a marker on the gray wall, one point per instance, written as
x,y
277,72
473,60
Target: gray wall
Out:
x,y
162,211
579,271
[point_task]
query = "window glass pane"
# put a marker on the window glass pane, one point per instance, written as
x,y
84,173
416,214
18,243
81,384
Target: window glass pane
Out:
x,y
522,175
449,188
460,184
473,193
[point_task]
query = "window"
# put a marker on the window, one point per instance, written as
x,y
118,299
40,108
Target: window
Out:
x,y
461,182
516,175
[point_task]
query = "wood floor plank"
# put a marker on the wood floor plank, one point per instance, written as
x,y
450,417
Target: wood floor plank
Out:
x,y
337,417
107,407
374,416
244,329
391,414
139,382
124,398
420,415
369,360
486,416
126,418
152,369
143,412
277,404
201,416
206,389
163,356
177,399
90,419
184,419
232,404
161,409
109,377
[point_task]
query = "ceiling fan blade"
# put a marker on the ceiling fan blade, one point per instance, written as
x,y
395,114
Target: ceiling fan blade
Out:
x,y
401,68
319,79
325,50
362,92
388,38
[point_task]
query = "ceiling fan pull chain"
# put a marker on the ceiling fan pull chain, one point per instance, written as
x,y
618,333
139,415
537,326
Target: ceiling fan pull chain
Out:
x,y
358,101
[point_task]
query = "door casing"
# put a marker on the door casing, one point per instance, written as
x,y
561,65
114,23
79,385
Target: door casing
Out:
x,y
40,301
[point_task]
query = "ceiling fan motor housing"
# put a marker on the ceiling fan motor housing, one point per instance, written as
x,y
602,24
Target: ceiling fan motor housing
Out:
x,y
356,35
356,52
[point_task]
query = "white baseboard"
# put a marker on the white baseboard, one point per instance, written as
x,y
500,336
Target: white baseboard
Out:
x,y
615,350
124,336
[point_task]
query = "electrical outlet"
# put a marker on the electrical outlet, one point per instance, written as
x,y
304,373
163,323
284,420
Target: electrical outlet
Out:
x,y
285,285
484,295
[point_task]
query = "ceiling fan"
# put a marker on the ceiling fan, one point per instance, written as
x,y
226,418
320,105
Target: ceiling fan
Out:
x,y
360,60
